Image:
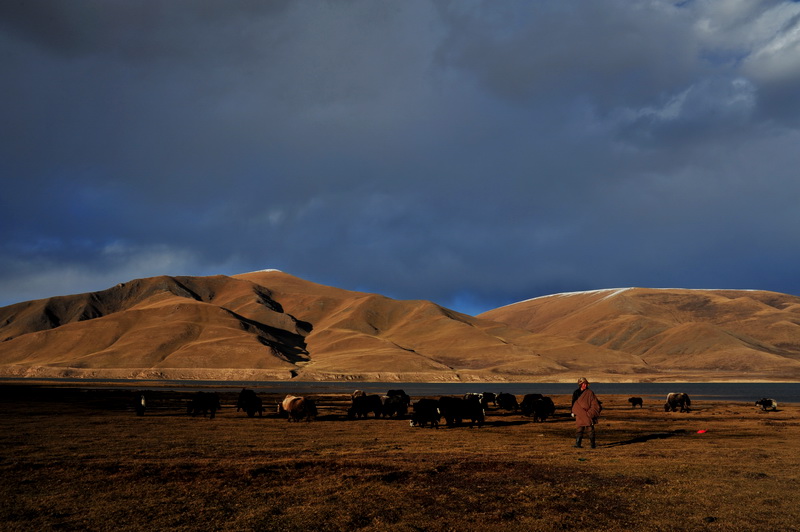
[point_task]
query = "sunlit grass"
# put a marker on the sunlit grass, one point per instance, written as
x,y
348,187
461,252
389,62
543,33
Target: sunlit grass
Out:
x,y
78,461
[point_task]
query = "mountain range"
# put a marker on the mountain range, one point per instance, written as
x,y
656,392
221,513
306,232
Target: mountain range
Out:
x,y
269,325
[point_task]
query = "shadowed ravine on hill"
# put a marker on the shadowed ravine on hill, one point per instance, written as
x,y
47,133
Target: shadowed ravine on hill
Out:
x,y
269,325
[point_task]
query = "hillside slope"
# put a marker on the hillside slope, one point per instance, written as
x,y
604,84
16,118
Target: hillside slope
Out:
x,y
270,325
358,335
711,332
175,327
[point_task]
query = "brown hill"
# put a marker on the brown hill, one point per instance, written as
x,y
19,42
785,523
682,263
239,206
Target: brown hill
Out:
x,y
270,325
366,336
734,334
179,327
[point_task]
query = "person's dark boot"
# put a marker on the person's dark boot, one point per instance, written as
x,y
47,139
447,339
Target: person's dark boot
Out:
x,y
578,443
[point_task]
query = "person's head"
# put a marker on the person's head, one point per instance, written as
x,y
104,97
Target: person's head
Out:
x,y
583,383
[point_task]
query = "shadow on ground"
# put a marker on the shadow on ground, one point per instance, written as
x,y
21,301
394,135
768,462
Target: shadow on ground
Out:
x,y
647,437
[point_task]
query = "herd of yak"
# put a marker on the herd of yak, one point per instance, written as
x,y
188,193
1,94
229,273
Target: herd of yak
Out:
x,y
471,407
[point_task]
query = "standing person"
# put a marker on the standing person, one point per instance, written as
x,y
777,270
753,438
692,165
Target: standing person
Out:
x,y
586,409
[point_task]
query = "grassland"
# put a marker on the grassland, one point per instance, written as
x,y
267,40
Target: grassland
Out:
x,y
78,459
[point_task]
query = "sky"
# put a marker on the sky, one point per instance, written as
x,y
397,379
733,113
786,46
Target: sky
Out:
x,y
470,153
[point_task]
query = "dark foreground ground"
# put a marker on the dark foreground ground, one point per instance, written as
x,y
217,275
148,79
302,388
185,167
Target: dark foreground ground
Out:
x,y
73,459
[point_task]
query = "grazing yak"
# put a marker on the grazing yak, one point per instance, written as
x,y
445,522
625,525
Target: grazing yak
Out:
x,y
507,401
528,402
401,395
426,411
488,397
364,404
677,401
634,401
456,409
396,405
204,403
250,403
297,408
484,398
537,406
767,404
396,402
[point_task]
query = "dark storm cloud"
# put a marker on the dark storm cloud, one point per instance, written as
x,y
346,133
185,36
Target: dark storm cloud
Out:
x,y
471,153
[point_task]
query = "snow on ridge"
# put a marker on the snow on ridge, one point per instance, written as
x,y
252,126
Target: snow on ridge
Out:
x,y
616,291
612,292
267,271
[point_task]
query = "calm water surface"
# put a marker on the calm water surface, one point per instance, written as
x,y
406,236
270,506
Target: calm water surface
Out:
x,y
787,392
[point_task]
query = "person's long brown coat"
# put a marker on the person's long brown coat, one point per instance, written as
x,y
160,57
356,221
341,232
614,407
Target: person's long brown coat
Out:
x,y
586,409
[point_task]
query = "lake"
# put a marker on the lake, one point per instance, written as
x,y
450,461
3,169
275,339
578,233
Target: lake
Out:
x,y
783,392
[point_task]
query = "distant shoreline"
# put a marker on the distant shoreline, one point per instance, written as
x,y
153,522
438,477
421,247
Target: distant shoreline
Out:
x,y
238,382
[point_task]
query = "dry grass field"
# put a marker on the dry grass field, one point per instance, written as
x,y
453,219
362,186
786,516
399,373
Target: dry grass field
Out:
x,y
80,459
